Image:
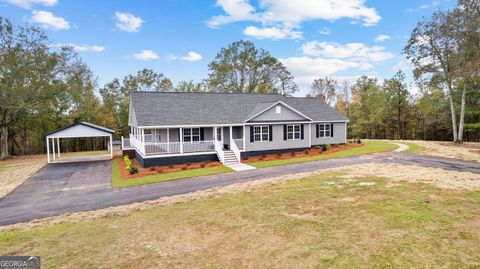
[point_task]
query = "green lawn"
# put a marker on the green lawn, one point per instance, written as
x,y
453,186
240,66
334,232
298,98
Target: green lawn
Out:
x,y
323,221
412,147
117,182
370,146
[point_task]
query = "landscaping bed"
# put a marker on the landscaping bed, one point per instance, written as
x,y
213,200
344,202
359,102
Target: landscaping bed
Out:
x,y
164,169
121,177
317,150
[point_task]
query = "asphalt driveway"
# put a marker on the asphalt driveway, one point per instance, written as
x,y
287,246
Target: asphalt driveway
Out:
x,y
72,187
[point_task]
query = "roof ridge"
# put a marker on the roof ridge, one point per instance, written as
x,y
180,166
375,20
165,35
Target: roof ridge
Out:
x,y
226,93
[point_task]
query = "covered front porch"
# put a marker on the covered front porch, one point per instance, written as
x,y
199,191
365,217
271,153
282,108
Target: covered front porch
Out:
x,y
185,140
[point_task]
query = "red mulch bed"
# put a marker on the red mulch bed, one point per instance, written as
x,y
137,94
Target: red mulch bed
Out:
x,y
309,152
155,170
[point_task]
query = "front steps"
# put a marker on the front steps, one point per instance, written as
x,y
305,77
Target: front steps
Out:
x,y
231,161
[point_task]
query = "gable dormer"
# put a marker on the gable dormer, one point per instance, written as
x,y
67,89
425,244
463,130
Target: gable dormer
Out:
x,y
276,112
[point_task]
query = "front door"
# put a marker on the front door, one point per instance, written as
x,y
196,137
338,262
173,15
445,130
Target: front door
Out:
x,y
226,137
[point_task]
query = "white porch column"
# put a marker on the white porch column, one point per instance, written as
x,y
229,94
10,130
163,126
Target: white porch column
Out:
x,y
215,135
231,138
111,147
48,150
53,148
58,146
244,144
168,139
143,141
310,135
181,140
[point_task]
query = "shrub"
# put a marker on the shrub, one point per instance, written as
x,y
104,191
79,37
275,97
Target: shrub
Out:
x,y
324,148
184,168
359,141
292,153
133,170
152,168
202,165
306,152
128,163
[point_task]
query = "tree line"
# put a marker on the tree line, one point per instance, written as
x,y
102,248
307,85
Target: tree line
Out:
x,y
43,87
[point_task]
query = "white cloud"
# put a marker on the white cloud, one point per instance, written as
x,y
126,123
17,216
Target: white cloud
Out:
x,y
127,22
190,57
145,55
48,20
29,3
403,65
382,38
274,33
325,31
306,69
84,48
351,51
288,12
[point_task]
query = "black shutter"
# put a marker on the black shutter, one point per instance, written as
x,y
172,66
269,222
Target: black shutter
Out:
x,y
284,132
202,134
318,132
270,132
251,133
331,129
301,131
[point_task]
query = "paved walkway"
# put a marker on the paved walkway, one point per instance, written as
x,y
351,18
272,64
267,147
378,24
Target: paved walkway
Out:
x,y
240,167
401,147
71,187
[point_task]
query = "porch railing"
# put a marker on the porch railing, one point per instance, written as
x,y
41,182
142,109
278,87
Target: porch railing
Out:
x,y
235,150
219,150
239,143
126,143
150,148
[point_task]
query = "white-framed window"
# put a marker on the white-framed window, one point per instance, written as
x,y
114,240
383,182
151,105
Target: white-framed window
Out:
x,y
191,134
260,133
293,132
324,130
219,134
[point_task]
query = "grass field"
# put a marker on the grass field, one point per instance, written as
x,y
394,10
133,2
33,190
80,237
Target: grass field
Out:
x,y
118,182
371,146
317,222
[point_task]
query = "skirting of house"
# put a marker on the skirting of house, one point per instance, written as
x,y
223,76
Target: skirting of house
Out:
x,y
266,152
149,162
129,152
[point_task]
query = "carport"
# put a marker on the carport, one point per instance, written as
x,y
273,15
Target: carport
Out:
x,y
78,130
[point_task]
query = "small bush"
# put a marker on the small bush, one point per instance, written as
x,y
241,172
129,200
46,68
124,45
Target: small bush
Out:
x,y
306,152
359,141
324,148
133,170
202,165
184,168
292,153
128,163
152,168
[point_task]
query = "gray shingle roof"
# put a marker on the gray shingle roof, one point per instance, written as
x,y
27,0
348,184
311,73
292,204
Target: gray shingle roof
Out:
x,y
171,108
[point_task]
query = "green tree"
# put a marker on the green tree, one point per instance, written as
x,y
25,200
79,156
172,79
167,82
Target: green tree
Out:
x,y
242,68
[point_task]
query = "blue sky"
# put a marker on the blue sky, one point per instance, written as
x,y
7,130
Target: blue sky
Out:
x,y
342,39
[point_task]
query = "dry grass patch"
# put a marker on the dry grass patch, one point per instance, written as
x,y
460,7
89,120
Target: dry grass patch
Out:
x,y
468,151
16,170
339,219
439,177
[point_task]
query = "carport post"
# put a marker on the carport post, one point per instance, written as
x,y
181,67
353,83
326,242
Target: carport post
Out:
x,y
48,150
111,147
58,146
53,148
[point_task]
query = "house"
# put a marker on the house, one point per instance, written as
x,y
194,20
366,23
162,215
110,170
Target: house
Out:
x,y
172,128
